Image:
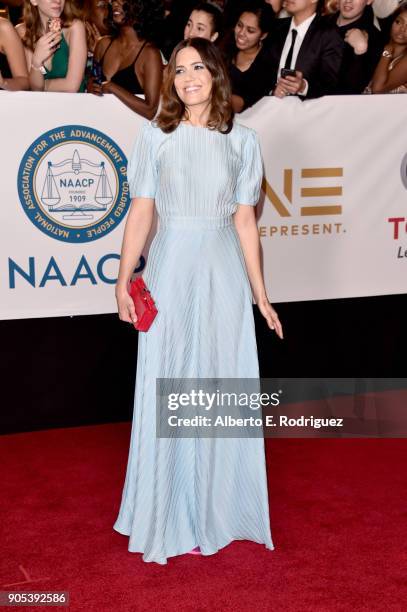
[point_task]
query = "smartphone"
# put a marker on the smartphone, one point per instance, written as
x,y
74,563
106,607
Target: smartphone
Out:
x,y
97,71
285,72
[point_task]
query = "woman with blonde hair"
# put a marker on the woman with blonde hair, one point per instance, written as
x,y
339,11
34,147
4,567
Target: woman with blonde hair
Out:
x,y
55,45
202,172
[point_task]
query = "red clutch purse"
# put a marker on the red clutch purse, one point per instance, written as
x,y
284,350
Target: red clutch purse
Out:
x,y
146,310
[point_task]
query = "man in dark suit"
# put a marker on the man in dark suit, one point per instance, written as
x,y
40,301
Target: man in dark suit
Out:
x,y
308,44
363,44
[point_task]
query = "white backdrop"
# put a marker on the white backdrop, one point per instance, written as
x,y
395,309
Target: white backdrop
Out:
x,y
335,176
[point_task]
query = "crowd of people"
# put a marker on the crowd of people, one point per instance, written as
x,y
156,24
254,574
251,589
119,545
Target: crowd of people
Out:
x,y
306,48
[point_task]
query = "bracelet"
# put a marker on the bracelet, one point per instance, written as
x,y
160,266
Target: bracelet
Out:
x,y
41,68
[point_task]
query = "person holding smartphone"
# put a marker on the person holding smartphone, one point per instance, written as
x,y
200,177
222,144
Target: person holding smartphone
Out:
x,y
306,52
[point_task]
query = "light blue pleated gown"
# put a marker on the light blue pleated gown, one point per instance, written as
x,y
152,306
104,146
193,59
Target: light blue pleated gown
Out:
x,y
185,492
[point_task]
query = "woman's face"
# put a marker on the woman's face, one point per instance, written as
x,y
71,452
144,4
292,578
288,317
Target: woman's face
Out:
x,y
119,14
399,29
49,8
193,81
247,32
98,15
200,24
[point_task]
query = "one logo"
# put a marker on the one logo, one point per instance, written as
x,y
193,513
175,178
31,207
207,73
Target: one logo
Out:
x,y
307,193
72,184
403,171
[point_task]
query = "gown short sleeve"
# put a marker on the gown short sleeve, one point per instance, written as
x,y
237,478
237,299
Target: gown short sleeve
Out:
x,y
195,268
141,170
251,171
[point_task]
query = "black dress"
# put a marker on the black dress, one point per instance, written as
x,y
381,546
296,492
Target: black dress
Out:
x,y
357,70
126,77
255,82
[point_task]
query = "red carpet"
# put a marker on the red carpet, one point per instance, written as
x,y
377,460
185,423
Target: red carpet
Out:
x,y
338,519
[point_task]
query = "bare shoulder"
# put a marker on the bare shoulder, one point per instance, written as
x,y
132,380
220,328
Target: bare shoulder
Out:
x,y
101,46
77,26
20,29
76,29
6,32
4,25
151,53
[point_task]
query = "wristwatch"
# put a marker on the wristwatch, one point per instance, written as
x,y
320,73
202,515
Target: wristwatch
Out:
x,y
387,54
41,68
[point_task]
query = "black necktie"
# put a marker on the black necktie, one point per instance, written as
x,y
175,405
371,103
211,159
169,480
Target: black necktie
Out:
x,y
290,52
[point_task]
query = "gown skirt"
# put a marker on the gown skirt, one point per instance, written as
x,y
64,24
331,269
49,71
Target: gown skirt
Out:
x,y
180,493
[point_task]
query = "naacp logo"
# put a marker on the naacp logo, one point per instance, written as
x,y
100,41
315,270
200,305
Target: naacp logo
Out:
x,y
404,171
72,184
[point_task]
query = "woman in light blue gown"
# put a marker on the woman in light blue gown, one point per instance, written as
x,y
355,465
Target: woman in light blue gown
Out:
x,y
202,172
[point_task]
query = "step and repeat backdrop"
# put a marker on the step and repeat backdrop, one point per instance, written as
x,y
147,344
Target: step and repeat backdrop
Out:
x,y
332,215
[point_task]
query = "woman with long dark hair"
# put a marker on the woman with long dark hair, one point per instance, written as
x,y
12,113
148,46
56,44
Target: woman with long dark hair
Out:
x,y
202,173
130,62
390,75
248,58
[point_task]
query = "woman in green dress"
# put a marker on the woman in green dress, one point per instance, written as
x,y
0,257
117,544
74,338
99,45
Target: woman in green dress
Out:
x,y
55,44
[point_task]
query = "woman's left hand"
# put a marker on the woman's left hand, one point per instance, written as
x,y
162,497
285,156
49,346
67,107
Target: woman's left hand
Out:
x,y
106,87
95,87
93,35
271,317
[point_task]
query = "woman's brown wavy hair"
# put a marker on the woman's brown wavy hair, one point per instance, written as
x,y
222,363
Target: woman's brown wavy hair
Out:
x,y
173,110
32,21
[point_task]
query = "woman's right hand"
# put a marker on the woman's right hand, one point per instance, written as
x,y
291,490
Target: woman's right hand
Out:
x,y
125,306
45,47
